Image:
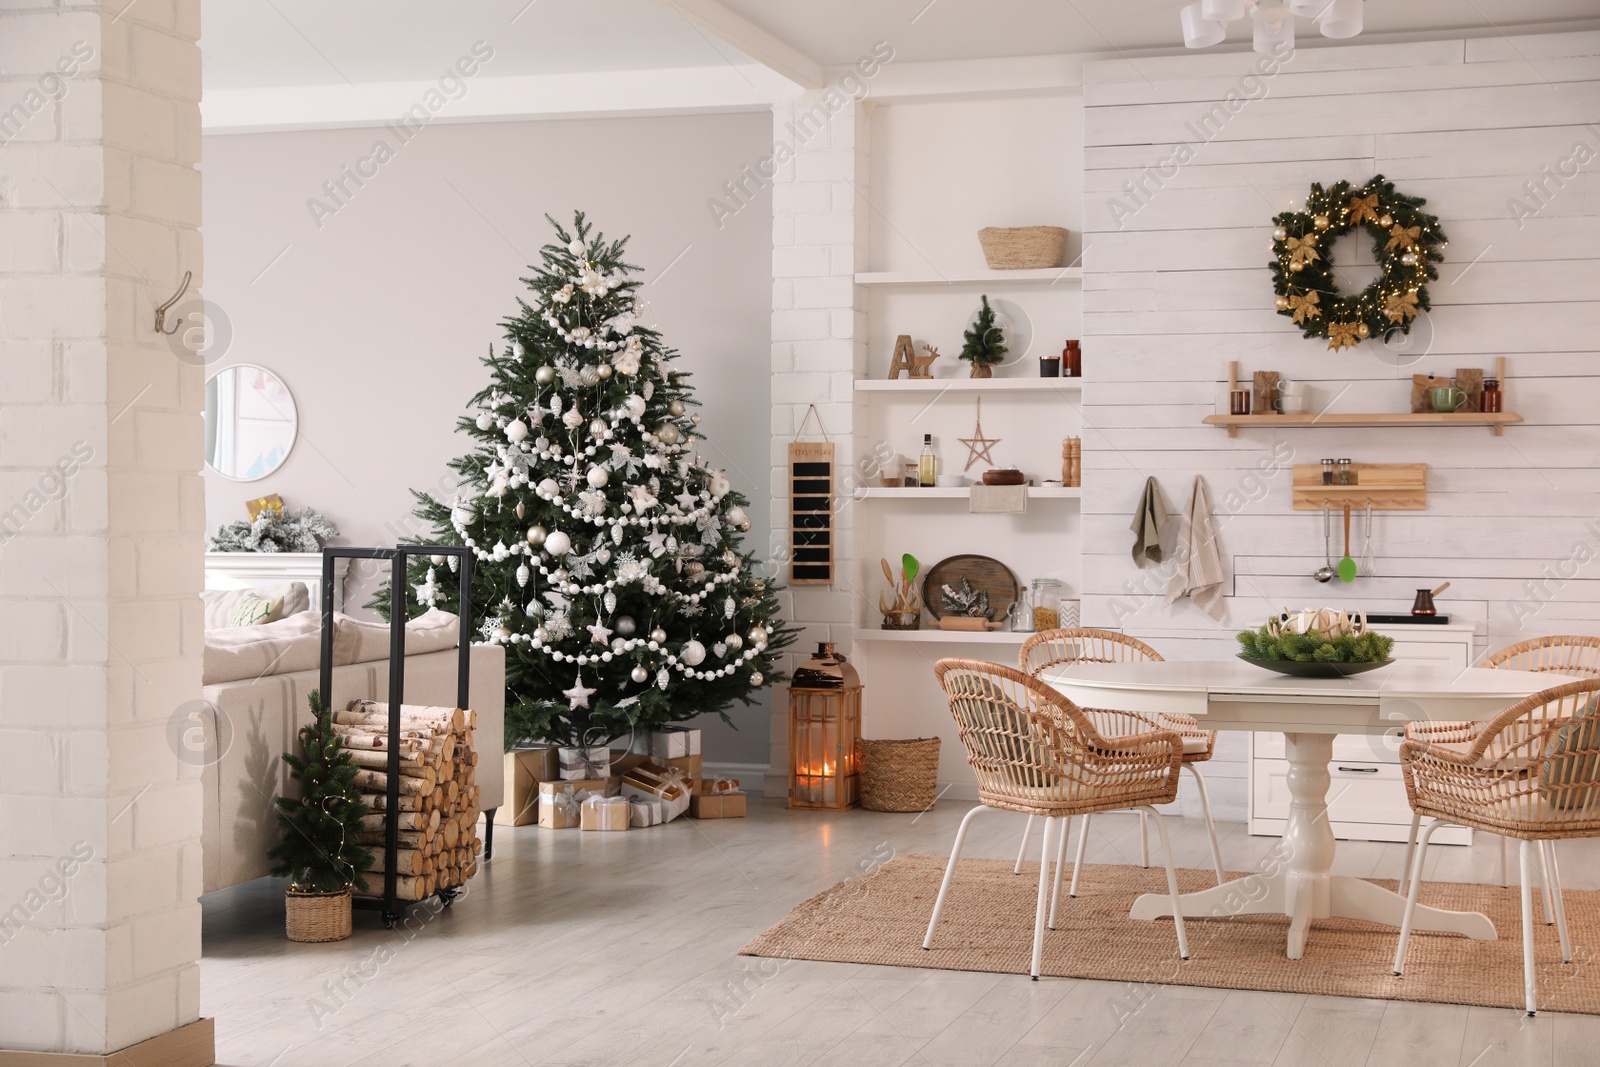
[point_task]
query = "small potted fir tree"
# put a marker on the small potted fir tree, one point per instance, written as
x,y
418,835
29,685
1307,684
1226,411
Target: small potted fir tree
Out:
x,y
319,851
985,343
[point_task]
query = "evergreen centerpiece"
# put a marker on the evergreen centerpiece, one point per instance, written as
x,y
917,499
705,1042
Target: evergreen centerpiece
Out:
x,y
318,851
985,342
608,557
1316,643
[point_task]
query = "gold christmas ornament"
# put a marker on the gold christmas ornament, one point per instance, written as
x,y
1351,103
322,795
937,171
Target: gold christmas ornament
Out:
x,y
1403,237
1400,307
1363,330
1363,208
1342,335
1282,302
1304,307
1297,266
1320,222
1386,221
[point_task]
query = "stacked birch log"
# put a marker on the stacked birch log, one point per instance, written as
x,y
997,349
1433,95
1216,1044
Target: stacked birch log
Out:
x,y
438,833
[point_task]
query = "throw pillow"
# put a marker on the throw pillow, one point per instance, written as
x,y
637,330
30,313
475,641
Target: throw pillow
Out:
x,y
252,610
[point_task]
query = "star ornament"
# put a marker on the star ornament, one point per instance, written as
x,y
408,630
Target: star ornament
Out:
x,y
578,696
978,446
599,633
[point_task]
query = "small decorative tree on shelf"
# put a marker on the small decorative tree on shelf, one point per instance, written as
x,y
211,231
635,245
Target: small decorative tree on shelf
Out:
x,y
985,343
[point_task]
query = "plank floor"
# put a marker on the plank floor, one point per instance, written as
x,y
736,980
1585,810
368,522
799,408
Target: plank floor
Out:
x,y
597,949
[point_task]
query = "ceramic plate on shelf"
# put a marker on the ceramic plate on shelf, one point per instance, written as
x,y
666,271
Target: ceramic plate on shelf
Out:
x,y
983,574
1015,326
1298,669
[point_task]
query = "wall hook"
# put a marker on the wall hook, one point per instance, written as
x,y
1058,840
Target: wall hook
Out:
x,y
161,312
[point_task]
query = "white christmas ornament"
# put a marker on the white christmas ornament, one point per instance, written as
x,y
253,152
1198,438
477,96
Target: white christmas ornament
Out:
x,y
734,641
640,675
633,404
557,543
693,653
736,516
719,485
572,419
578,696
485,420
536,535
523,574
463,515
597,477
516,431
603,371
545,374
675,408
576,248
625,625
658,635
549,488
756,678
758,635
436,559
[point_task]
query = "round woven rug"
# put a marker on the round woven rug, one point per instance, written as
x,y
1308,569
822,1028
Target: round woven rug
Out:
x,y
987,925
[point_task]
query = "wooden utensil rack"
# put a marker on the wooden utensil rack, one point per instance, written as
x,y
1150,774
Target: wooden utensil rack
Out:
x,y
1385,486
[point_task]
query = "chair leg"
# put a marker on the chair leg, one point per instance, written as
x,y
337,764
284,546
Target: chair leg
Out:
x,y
1411,895
1172,880
1549,850
1077,863
1144,840
949,872
1039,908
1061,868
1505,862
1544,880
1022,849
1411,850
1211,827
1527,928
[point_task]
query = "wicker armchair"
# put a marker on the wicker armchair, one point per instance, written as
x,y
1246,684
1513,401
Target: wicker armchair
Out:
x,y
1532,773
1034,751
1055,648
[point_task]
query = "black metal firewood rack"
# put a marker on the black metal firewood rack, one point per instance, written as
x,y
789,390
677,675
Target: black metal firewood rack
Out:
x,y
389,903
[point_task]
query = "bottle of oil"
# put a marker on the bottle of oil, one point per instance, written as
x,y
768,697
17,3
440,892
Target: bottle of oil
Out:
x,y
927,463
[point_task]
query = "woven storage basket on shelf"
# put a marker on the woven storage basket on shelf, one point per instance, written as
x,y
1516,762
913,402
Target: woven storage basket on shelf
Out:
x,y
317,916
1023,247
899,775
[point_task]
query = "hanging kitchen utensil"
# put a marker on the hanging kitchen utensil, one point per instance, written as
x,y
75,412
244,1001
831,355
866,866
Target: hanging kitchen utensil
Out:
x,y
1324,573
1347,566
1367,570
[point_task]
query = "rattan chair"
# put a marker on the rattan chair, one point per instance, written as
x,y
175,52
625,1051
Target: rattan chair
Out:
x,y
1054,648
1530,773
1035,752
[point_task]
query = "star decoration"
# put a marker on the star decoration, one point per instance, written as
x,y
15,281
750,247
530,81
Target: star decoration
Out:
x,y
578,696
978,445
1400,306
1305,307
657,542
599,633
687,500
1362,208
1343,335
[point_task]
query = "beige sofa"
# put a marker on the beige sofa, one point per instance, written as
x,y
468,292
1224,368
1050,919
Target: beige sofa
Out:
x,y
260,720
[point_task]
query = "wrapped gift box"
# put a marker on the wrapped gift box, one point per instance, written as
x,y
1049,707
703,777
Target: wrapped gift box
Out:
x,y
645,810
688,765
585,762
653,781
713,785
561,803
717,806
667,742
525,769
603,813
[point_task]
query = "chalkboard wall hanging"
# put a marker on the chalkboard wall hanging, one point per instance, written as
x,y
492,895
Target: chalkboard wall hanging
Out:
x,y
811,507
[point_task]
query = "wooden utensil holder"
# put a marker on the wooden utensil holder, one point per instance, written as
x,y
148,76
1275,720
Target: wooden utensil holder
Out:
x,y
1385,486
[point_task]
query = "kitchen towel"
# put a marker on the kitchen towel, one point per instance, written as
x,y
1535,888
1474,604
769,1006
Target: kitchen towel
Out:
x,y
998,499
1199,575
1147,523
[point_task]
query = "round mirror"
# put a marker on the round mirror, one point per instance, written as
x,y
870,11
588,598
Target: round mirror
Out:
x,y
250,422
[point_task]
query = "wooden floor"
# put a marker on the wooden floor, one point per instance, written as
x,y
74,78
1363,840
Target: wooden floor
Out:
x,y
610,949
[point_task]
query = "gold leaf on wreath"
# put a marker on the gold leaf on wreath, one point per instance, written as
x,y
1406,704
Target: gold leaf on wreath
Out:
x,y
1305,307
1400,307
1403,237
1302,250
1362,208
1343,335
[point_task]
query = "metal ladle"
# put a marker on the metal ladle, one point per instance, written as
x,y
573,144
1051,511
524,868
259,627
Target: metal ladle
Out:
x,y
1325,572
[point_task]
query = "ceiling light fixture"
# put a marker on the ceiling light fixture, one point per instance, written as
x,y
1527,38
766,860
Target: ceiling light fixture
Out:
x,y
1205,22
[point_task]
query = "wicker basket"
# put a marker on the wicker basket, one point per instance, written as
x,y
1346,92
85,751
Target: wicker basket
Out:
x,y
899,775
317,916
1023,247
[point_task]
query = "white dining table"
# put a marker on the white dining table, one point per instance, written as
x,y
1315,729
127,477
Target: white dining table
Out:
x,y
1233,695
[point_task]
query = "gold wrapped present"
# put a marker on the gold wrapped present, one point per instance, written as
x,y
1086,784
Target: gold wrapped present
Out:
x,y
658,780
718,806
689,765
560,803
603,813
270,502
525,769
712,786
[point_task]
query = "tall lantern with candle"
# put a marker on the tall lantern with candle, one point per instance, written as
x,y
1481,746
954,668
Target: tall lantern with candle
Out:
x,y
824,727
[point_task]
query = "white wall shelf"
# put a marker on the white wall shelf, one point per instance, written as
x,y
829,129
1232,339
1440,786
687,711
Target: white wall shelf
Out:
x,y
1039,386
941,637
1040,276
1035,492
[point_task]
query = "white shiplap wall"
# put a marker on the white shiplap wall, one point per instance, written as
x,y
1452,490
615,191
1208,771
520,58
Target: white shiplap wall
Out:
x,y
1179,286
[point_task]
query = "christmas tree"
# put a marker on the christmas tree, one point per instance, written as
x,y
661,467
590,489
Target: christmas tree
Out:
x,y
318,849
606,553
985,342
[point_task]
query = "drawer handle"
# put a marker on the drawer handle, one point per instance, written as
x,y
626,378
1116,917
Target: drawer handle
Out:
x,y
1359,770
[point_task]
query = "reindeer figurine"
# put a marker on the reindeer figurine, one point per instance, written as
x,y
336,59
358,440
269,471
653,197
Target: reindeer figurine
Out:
x,y
922,366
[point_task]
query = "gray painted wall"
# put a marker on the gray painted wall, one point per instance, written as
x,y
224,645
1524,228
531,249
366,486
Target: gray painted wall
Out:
x,y
377,317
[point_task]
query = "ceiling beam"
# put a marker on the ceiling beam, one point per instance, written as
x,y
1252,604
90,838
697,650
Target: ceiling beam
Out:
x,y
755,42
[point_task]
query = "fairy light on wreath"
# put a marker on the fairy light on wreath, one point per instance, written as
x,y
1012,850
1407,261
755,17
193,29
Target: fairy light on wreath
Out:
x,y
1406,242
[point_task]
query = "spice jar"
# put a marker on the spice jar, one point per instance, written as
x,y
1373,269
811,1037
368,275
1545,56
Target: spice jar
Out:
x,y
1344,472
1046,604
1490,400
1327,472
1071,361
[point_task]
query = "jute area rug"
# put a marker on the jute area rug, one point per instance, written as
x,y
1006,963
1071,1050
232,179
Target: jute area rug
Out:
x,y
987,925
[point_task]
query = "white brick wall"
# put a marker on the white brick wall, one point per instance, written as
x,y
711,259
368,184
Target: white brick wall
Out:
x,y
818,339
100,527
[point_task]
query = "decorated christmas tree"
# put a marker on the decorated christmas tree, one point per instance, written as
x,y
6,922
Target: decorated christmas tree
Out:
x,y
606,552
319,849
985,342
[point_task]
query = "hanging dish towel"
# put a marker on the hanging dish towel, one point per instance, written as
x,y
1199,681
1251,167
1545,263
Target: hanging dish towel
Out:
x,y
1147,523
998,499
1199,561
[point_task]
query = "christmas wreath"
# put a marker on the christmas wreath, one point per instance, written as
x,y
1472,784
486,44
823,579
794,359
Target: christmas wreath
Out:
x,y
1406,242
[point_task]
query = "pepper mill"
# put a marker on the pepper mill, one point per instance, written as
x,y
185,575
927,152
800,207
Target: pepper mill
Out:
x,y
1066,461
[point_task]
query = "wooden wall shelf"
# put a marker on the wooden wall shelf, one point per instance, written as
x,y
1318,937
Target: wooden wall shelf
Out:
x,y
1385,486
1496,421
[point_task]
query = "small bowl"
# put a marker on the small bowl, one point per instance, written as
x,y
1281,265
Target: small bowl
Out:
x,y
950,481
1004,476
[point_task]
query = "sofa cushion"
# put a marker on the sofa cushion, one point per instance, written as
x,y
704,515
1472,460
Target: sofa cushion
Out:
x,y
357,641
253,610
295,644
221,604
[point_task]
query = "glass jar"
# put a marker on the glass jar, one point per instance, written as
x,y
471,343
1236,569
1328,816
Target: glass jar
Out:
x,y
1491,401
1021,613
1046,597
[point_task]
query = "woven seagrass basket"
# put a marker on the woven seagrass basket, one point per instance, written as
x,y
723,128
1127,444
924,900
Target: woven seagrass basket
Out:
x,y
1023,247
317,916
899,775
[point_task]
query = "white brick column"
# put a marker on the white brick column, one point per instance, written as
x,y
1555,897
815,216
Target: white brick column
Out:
x,y
819,241
100,525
